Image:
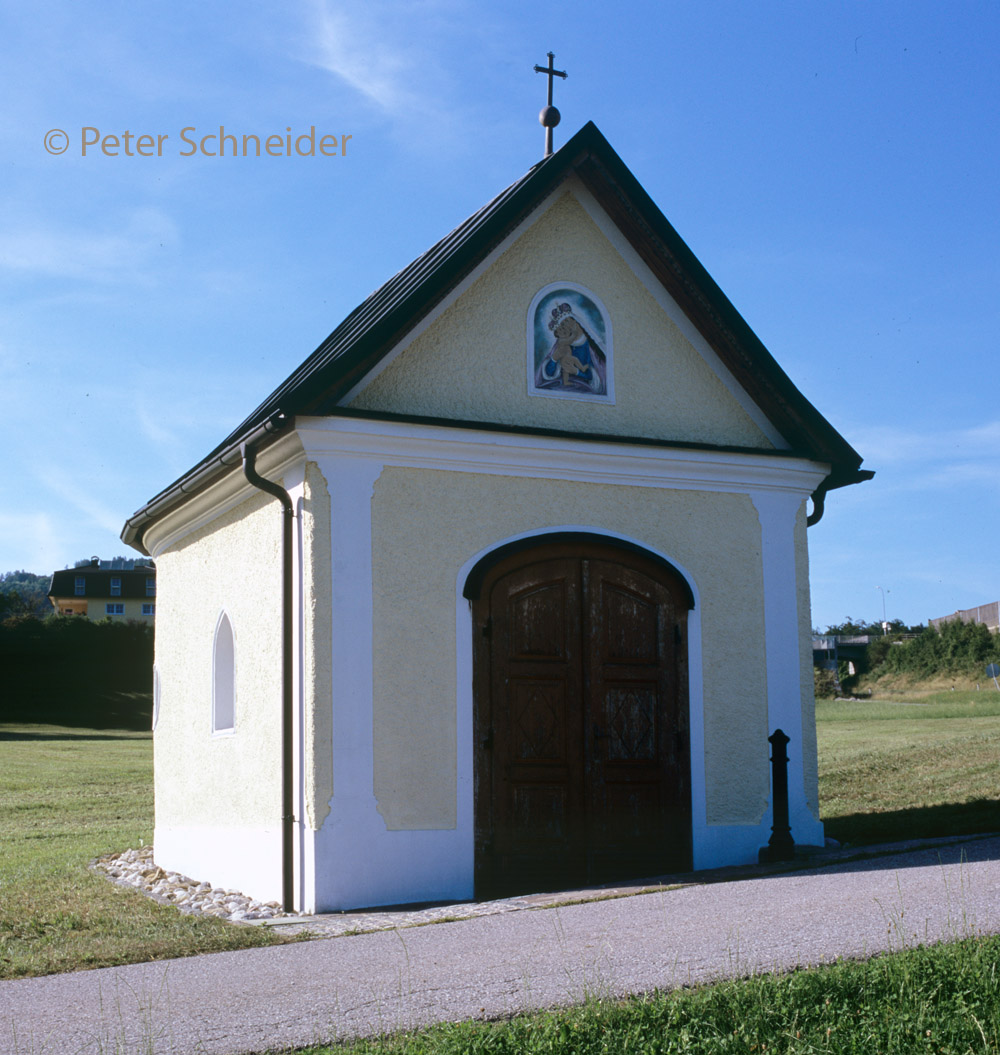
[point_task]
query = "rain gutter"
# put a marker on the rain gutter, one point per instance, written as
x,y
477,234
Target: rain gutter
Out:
x,y
249,456
201,476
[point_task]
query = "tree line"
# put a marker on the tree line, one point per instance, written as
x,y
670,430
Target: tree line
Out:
x,y
24,593
957,649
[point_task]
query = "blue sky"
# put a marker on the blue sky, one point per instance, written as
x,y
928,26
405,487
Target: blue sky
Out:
x,y
833,165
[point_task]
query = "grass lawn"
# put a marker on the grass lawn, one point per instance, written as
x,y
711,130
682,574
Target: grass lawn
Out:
x,y
888,770
908,768
944,999
67,796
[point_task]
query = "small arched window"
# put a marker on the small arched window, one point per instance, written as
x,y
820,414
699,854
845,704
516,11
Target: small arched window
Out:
x,y
156,695
224,677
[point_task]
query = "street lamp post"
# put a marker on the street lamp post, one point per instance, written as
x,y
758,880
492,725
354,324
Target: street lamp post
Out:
x,y
885,622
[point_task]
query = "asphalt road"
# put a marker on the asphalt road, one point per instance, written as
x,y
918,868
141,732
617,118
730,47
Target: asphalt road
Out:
x,y
498,965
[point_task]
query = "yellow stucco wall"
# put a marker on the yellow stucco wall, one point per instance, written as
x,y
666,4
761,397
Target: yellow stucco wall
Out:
x,y
427,523
231,565
471,362
96,609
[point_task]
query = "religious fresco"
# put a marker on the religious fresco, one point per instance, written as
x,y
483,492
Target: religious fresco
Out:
x,y
569,345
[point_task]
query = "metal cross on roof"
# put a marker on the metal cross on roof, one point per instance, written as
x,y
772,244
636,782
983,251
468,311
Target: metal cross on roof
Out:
x,y
549,117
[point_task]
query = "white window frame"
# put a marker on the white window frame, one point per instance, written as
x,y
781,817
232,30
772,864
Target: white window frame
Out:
x,y
223,678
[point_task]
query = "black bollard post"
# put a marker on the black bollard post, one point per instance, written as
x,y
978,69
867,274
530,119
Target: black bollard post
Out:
x,y
781,845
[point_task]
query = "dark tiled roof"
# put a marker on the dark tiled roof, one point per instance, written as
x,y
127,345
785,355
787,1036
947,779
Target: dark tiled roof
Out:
x,y
97,583
377,325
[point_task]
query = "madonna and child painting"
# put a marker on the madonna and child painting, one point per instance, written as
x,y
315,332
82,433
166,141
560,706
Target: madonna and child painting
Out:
x,y
569,345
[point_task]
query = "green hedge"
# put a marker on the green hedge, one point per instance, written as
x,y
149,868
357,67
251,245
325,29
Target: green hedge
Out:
x,y
71,671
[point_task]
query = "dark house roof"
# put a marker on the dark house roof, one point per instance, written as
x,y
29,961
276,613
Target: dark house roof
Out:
x,y
97,582
377,325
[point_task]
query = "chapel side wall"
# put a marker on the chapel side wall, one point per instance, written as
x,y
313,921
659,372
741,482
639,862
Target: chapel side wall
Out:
x,y
428,523
219,782
664,388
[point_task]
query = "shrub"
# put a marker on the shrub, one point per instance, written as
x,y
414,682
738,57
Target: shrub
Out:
x,y
74,671
957,648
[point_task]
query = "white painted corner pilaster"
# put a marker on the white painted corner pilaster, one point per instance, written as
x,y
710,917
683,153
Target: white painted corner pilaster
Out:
x,y
777,510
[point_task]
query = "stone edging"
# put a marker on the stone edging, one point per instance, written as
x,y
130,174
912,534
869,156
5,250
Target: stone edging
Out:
x,y
137,869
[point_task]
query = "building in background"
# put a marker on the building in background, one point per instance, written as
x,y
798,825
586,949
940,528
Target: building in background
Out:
x,y
106,589
988,614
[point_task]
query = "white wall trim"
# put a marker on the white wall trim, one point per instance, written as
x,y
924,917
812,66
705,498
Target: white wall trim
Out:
x,y
777,513
224,494
597,461
356,861
303,882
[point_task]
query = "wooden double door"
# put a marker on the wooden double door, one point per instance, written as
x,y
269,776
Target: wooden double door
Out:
x,y
582,770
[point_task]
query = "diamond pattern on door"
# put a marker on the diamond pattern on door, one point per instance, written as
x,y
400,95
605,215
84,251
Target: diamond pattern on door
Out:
x,y
536,711
630,714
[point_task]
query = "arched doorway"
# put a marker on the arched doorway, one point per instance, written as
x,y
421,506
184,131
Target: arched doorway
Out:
x,y
582,767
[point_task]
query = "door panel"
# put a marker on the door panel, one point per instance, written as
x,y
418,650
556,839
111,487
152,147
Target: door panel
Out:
x,y
629,721
534,783
581,720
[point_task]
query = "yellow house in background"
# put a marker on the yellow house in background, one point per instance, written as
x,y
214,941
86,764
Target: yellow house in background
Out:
x,y
106,589
529,494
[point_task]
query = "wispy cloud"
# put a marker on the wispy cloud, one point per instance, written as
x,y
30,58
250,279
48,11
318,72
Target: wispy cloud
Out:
x,y
928,449
354,42
81,498
396,56
153,428
124,251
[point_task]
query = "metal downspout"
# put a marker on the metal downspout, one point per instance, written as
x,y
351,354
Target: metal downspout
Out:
x,y
819,503
249,456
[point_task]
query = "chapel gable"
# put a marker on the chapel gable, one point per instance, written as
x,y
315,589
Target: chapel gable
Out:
x,y
565,328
